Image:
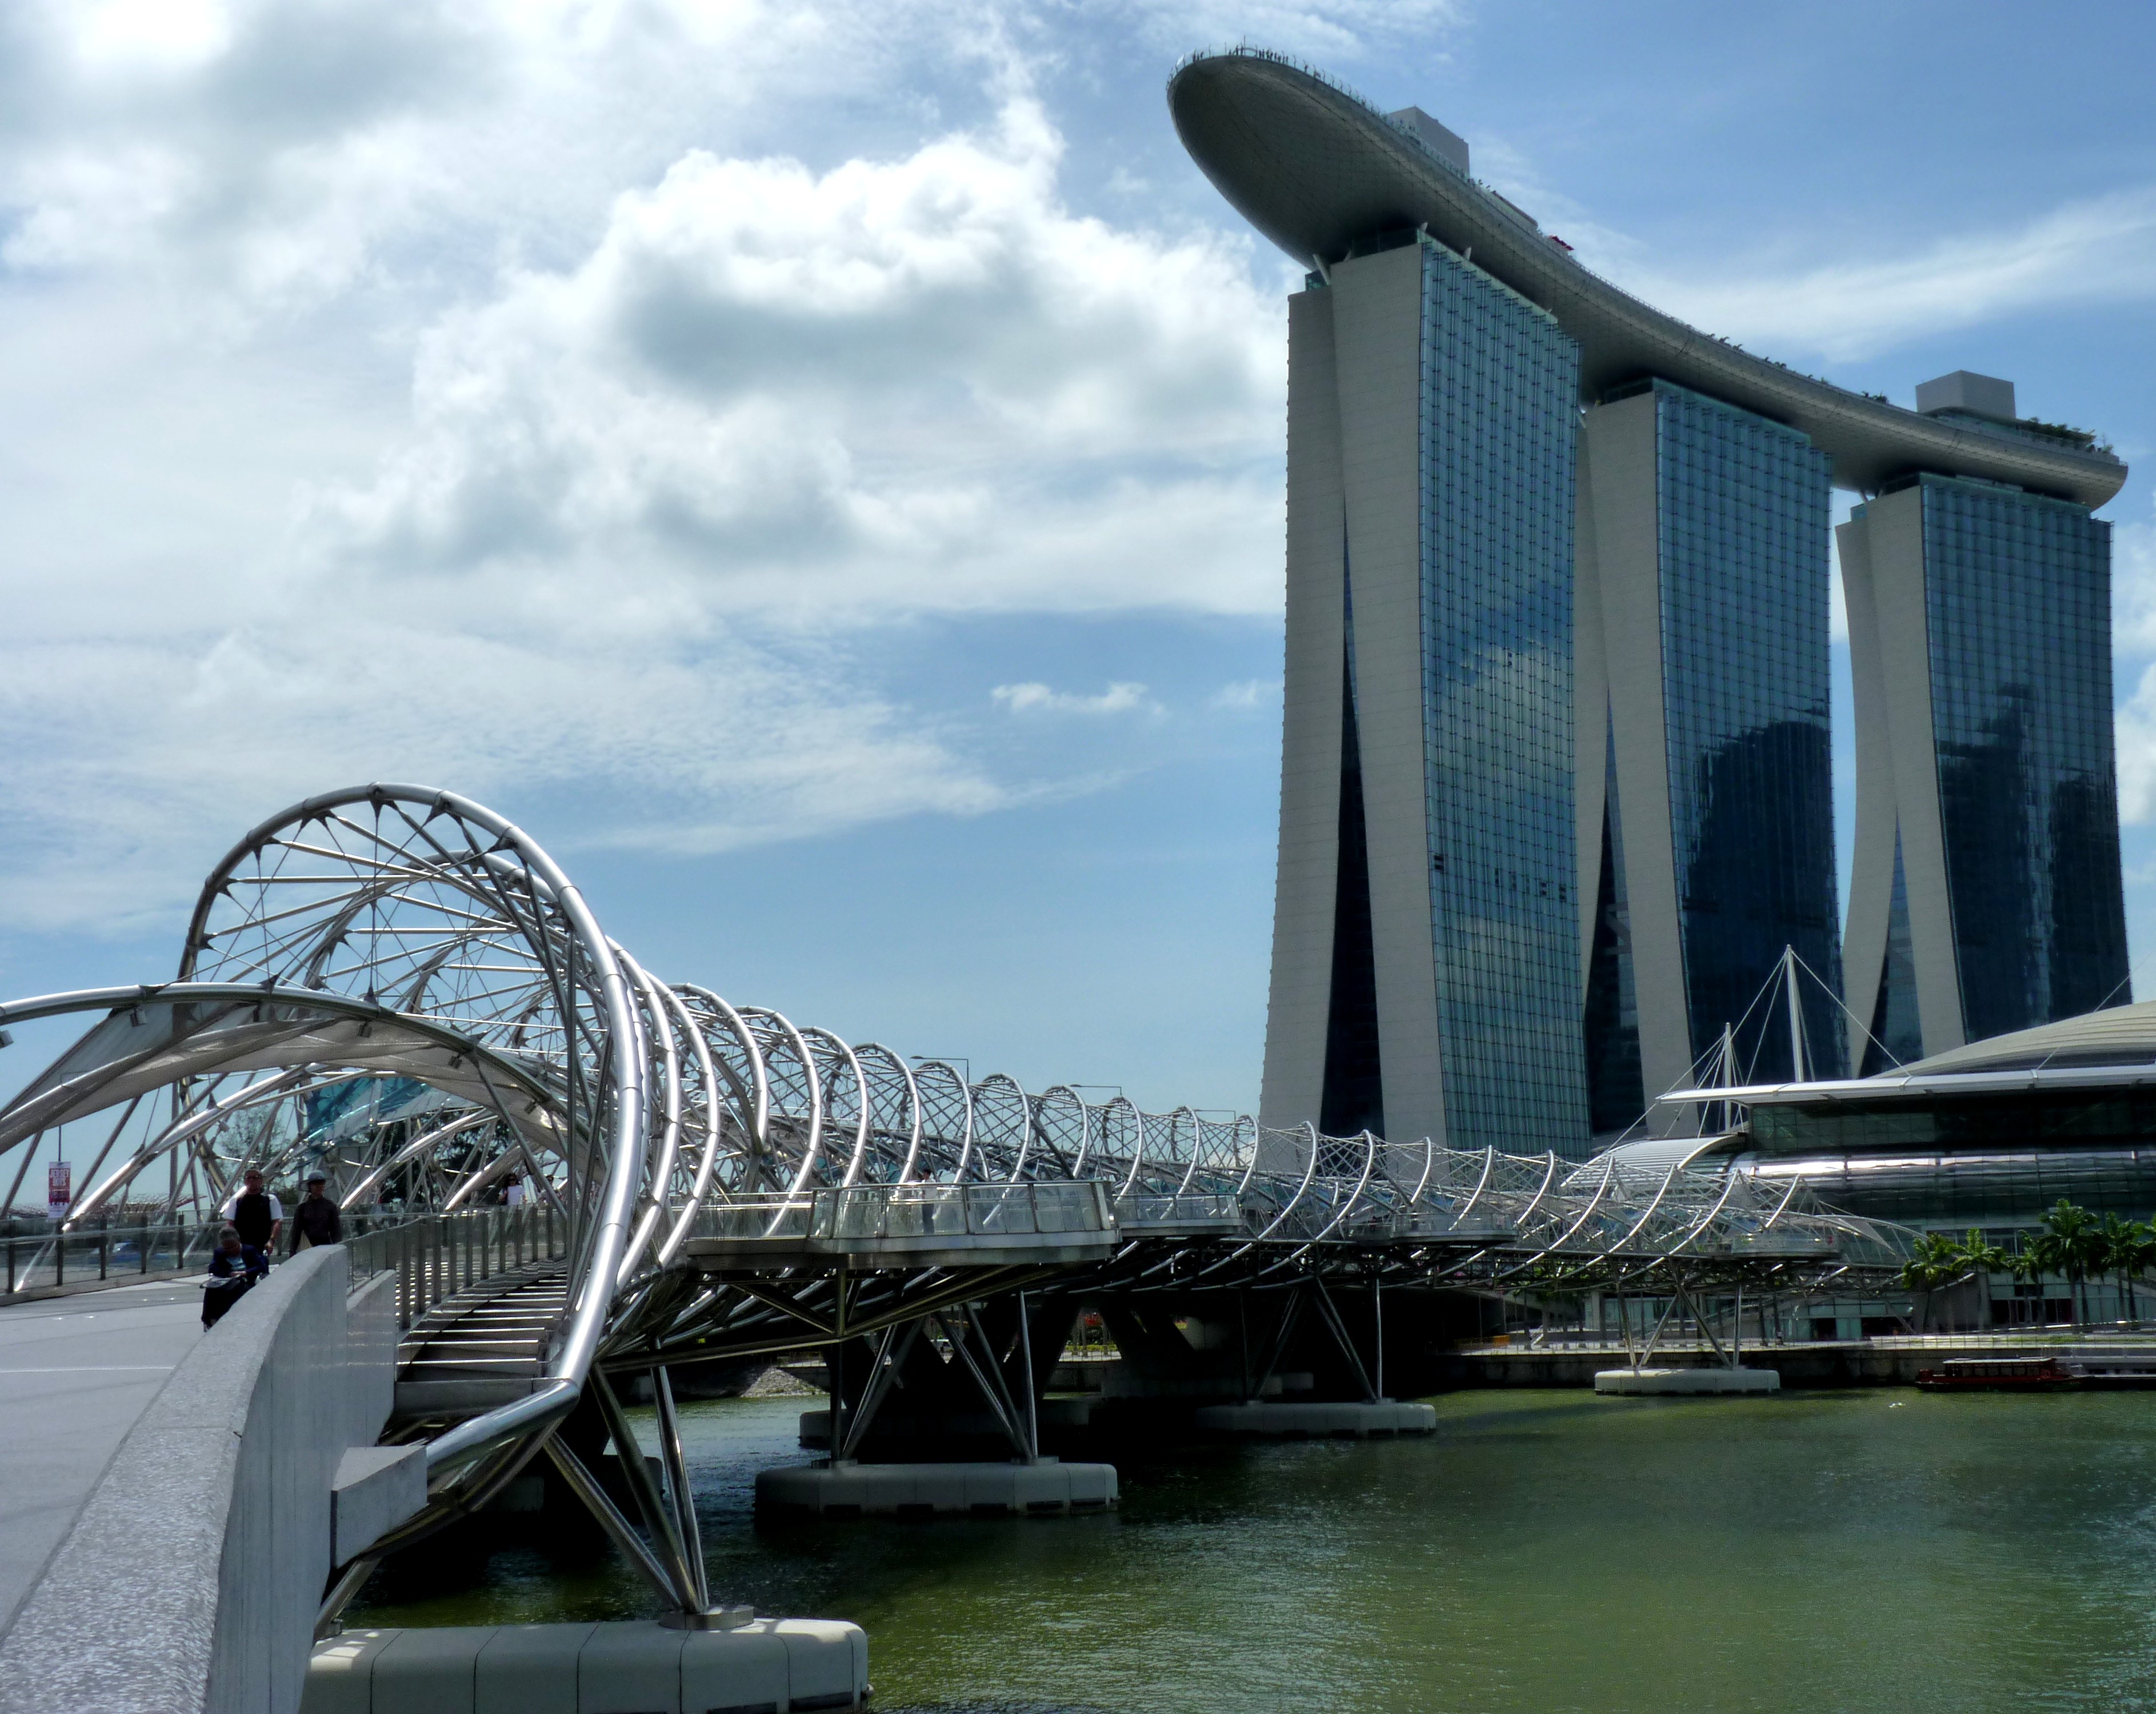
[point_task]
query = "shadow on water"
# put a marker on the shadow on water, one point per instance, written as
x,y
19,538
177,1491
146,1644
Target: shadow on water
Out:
x,y
1549,1551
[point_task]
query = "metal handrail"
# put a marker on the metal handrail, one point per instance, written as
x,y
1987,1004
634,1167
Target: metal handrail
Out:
x,y
871,1212
110,1254
436,1256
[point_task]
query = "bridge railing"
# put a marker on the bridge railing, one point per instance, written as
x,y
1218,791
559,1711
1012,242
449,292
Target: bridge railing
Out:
x,y
106,1253
112,1253
872,1212
435,1256
1182,1210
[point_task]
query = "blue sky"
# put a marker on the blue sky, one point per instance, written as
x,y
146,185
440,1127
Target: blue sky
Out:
x,y
817,467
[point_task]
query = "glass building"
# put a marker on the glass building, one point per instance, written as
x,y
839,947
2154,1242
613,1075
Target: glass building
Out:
x,y
1499,381
1987,896
1703,589
1989,1135
1427,928
1470,930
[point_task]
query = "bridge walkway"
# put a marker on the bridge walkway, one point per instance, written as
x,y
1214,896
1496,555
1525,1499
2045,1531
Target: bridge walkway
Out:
x,y
76,1373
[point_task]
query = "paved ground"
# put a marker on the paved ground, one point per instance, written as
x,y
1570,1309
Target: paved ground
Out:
x,y
75,1373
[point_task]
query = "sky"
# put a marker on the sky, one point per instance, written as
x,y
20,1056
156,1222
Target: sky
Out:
x,y
817,467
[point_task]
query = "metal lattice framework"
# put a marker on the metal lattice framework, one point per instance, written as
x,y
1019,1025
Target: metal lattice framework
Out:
x,y
399,987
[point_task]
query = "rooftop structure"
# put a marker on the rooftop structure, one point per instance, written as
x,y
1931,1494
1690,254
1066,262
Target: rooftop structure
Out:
x,y
1321,172
1990,1134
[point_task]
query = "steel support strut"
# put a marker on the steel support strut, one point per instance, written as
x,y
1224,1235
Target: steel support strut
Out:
x,y
1330,1317
659,1517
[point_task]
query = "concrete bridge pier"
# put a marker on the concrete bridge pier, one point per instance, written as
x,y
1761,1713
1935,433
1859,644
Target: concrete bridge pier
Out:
x,y
969,1378
1306,1360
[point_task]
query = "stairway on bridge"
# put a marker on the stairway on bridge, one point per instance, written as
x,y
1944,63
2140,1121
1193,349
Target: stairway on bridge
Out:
x,y
482,1346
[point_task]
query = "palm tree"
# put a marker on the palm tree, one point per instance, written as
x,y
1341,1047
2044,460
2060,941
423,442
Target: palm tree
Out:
x,y
1984,1258
2116,1238
2026,1264
1934,1260
2069,1244
2133,1254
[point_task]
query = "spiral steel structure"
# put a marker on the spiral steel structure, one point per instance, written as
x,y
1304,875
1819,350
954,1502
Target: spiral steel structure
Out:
x,y
398,986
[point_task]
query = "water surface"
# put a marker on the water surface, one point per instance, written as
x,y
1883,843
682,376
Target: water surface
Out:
x,y
1545,1551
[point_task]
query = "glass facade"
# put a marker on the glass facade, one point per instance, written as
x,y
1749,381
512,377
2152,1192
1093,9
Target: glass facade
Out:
x,y
2017,592
1499,386
2078,1118
2008,1188
1742,523
2001,1158
1742,512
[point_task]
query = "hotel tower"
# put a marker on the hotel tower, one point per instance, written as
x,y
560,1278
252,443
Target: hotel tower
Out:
x,y
1556,790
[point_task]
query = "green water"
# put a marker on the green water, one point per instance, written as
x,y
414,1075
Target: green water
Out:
x,y
1550,1552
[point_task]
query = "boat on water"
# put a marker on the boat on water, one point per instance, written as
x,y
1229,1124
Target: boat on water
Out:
x,y
2033,1374
1997,1374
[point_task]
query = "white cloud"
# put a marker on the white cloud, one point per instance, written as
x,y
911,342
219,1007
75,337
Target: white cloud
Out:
x,y
2136,738
1344,30
2101,250
1246,693
124,760
264,157
159,33
907,385
1121,697
2133,586
468,410
2133,638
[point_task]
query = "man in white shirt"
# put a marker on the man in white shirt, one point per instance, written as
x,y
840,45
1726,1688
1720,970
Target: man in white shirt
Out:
x,y
256,1216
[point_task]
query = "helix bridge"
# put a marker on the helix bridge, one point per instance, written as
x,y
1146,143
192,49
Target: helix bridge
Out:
x,y
633,1177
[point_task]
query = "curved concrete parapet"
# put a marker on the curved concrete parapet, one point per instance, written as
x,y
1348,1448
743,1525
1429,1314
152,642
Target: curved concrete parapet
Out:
x,y
776,1664
191,1578
1312,1422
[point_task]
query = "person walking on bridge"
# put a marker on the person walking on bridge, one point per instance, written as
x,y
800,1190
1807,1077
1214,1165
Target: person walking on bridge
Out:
x,y
235,1266
315,1219
257,1216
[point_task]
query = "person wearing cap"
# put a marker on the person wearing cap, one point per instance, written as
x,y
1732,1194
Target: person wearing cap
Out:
x,y
314,1217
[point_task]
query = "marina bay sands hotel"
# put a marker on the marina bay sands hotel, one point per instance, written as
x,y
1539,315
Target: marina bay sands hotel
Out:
x,y
1557,790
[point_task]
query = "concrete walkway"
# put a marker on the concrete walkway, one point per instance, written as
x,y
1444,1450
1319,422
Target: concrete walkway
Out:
x,y
76,1374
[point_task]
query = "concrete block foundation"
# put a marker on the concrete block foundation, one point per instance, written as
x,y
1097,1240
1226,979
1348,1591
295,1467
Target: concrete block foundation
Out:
x,y
1049,1488
1312,1422
776,1664
1688,1383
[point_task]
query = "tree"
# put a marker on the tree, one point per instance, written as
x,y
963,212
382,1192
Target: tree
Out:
x,y
1984,1258
2133,1252
2026,1264
1934,1260
2071,1243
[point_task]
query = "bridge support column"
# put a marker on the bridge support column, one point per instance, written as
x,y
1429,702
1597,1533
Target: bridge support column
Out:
x,y
986,1388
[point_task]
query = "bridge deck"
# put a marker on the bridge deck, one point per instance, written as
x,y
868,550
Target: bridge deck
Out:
x,y
76,1374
